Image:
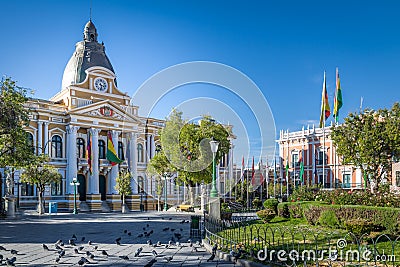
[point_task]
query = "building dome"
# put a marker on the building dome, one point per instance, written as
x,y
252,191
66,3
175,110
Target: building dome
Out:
x,y
88,53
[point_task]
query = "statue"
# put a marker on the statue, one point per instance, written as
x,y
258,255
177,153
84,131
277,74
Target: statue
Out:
x,y
9,184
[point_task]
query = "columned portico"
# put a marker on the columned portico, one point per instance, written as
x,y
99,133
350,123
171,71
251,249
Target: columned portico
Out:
x,y
94,177
39,137
46,138
114,169
71,157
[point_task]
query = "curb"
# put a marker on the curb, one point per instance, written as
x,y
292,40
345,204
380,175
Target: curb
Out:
x,y
225,256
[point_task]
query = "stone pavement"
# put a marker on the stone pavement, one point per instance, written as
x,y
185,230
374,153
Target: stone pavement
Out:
x,y
28,233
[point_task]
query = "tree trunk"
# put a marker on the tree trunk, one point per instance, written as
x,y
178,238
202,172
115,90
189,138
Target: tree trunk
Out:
x,y
123,208
158,203
40,208
191,194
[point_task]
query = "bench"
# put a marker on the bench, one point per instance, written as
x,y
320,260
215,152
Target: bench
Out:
x,y
187,208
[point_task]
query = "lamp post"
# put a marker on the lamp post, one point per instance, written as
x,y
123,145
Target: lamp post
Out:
x,y
214,148
141,200
75,183
167,175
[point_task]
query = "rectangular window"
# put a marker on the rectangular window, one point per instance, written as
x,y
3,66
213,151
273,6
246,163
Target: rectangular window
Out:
x,y
295,160
26,189
397,178
347,180
321,157
56,189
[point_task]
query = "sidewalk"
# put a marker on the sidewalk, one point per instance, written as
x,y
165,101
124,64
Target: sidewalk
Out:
x,y
29,232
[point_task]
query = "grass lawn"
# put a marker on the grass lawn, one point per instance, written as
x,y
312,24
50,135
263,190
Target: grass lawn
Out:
x,y
296,234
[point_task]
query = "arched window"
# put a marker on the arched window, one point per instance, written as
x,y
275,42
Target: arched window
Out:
x,y
102,149
30,141
140,184
80,145
121,151
56,146
140,153
56,189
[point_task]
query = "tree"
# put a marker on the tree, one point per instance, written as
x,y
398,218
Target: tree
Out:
x,y
369,140
40,173
185,148
15,149
123,187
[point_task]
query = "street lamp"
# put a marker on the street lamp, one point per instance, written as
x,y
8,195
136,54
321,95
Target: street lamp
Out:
x,y
214,148
166,176
75,183
141,200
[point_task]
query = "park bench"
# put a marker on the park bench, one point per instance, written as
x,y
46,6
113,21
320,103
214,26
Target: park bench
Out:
x,y
187,208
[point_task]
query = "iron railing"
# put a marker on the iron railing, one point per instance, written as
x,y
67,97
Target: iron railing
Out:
x,y
302,245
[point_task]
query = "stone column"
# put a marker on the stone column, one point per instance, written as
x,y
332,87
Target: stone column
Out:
x,y
114,169
94,178
133,160
153,147
72,170
40,138
46,138
147,148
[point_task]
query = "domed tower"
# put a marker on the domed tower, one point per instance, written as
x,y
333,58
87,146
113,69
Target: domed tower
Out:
x,y
88,53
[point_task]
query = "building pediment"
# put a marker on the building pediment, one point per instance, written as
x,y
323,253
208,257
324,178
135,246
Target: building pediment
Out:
x,y
106,110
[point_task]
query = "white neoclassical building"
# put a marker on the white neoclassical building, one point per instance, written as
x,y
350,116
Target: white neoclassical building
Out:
x,y
90,104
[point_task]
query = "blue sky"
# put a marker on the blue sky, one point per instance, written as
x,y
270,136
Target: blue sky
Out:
x,y
283,46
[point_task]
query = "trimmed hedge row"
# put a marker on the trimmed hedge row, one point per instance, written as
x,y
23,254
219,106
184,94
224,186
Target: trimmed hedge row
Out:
x,y
383,218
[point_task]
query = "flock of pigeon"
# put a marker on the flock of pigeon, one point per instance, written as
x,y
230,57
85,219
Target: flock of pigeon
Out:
x,y
90,252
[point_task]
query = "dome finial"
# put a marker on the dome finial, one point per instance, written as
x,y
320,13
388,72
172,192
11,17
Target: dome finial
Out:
x,y
90,11
90,32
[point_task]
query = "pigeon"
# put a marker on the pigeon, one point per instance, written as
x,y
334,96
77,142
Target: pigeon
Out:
x,y
158,243
2,248
181,229
154,253
182,222
168,259
172,229
235,255
88,253
117,242
103,252
144,228
170,218
150,263
211,258
95,247
151,232
137,252
149,242
89,243
59,241
91,256
76,251
61,253
165,229
14,252
9,262
125,231
45,247
82,261
57,247
140,235
57,260
124,257
1,257
129,233
147,225
118,239
83,239
81,248
74,237
71,242
190,243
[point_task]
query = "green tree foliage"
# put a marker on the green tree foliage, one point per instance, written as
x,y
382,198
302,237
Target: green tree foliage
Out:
x,y
185,148
123,186
15,150
371,138
40,173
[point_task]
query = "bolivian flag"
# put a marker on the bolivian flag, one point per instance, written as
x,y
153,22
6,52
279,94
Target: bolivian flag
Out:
x,y
338,102
325,109
111,154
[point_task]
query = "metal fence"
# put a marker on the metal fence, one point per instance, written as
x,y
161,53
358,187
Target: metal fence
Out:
x,y
305,246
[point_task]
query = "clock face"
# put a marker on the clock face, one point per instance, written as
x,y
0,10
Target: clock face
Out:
x,y
100,84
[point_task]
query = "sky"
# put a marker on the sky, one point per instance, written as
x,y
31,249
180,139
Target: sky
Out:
x,y
283,47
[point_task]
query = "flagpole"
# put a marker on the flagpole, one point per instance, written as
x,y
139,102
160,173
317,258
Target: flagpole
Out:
x,y
247,189
261,183
266,178
274,176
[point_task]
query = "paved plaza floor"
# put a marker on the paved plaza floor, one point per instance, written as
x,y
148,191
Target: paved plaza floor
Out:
x,y
23,238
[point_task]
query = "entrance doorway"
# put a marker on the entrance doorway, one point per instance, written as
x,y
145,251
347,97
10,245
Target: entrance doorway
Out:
x,y
102,187
82,187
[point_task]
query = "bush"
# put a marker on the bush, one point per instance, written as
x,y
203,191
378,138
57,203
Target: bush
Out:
x,y
359,226
271,203
283,210
304,193
328,218
266,215
256,203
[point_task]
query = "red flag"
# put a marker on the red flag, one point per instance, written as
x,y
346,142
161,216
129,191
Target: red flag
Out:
x,y
252,173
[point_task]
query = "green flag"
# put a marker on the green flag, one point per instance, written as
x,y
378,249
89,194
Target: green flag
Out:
x,y
301,171
338,101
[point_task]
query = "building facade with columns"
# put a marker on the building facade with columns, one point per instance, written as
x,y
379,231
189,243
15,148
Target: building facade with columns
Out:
x,y
91,104
322,166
